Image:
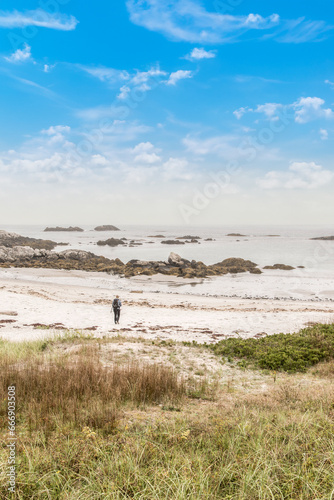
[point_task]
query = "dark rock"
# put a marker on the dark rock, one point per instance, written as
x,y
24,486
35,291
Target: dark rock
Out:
x,y
236,234
282,267
106,228
173,242
188,237
12,239
65,229
157,236
324,238
111,242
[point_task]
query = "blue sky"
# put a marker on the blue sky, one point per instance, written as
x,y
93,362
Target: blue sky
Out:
x,y
180,111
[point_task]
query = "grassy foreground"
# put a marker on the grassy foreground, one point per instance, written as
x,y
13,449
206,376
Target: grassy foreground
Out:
x,y
90,429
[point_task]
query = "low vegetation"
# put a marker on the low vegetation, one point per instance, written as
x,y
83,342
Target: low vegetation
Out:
x,y
288,352
92,429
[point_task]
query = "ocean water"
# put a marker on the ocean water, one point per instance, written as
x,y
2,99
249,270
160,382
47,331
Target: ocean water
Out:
x,y
291,245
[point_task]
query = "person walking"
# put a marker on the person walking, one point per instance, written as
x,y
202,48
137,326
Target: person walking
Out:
x,y
116,307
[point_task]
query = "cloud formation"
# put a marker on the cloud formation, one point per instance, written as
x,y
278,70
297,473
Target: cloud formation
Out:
x,y
199,53
304,110
176,76
301,175
189,21
39,18
20,55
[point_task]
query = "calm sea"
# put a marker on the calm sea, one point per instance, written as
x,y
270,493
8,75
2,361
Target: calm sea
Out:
x,y
291,245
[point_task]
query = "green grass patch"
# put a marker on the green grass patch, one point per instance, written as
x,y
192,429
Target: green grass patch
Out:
x,y
294,352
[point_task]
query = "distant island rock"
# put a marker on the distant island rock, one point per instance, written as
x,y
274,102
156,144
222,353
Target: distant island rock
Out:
x,y
236,234
324,238
188,237
282,267
157,236
111,242
106,228
63,229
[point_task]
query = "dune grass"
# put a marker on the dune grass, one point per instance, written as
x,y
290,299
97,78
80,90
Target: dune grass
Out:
x,y
90,431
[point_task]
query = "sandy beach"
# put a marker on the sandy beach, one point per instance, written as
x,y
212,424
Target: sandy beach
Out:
x,y
38,302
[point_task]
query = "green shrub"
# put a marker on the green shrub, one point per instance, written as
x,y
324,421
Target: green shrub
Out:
x,y
293,352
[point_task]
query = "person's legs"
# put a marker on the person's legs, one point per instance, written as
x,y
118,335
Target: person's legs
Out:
x,y
115,315
118,313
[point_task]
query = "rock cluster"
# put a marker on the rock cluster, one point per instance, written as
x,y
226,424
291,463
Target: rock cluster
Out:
x,y
10,240
63,229
80,260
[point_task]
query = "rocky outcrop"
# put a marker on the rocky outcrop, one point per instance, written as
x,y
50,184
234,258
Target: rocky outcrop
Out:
x,y
87,261
324,238
106,228
172,242
11,240
282,267
157,236
111,242
64,229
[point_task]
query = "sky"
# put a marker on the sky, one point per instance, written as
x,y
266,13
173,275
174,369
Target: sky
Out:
x,y
187,112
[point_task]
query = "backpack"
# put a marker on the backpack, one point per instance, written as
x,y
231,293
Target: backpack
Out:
x,y
115,304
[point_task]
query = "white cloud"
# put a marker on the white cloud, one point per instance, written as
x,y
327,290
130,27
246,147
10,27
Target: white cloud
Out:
x,y
301,175
177,169
305,109
310,108
20,55
104,74
239,113
145,153
188,20
328,82
323,134
57,129
48,67
124,92
142,77
178,75
199,53
269,109
39,18
300,31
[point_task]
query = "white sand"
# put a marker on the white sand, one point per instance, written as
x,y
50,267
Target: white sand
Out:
x,y
80,300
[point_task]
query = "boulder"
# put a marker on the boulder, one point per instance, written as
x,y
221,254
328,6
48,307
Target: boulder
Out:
x,y
75,255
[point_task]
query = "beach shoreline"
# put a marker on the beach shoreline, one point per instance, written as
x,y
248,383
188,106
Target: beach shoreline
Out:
x,y
43,302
